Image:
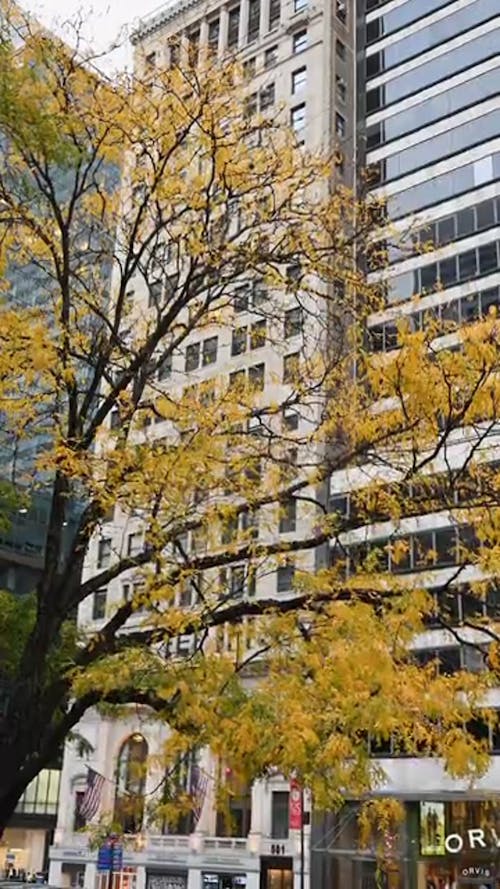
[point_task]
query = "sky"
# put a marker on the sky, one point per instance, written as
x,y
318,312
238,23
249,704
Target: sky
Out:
x,y
103,21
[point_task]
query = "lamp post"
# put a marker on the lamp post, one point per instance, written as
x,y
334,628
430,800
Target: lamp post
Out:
x,y
302,861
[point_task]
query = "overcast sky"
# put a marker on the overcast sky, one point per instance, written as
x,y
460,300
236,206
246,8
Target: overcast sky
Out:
x,y
104,20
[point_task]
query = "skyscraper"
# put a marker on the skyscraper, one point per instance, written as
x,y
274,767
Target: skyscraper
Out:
x,y
298,60
409,88
428,131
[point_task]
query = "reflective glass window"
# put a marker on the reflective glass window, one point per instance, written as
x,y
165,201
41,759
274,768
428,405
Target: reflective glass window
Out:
x,y
448,271
446,230
465,222
485,215
488,260
408,12
443,30
448,102
450,142
467,264
458,59
437,189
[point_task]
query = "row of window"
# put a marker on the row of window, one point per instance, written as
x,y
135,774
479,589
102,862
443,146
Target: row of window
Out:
x,y
454,140
460,58
449,229
456,487
411,11
457,22
446,272
479,729
299,44
236,582
447,103
466,310
402,554
448,185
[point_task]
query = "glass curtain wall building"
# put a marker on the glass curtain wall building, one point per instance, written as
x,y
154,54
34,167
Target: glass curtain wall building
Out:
x,y
428,130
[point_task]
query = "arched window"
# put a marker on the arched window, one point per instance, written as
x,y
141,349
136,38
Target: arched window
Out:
x,y
130,781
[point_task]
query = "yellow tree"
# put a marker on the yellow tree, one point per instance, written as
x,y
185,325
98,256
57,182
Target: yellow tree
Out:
x,y
140,219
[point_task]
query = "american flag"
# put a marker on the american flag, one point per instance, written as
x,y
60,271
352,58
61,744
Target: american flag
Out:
x,y
92,796
199,784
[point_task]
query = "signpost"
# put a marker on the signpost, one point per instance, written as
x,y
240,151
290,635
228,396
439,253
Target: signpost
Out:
x,y
296,819
110,858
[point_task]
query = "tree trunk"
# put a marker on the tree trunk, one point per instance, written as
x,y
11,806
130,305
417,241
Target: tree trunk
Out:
x,y
13,782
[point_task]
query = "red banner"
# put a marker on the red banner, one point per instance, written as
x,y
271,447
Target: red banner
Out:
x,y
295,808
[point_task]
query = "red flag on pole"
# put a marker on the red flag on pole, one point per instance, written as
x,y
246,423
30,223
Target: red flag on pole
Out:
x,y
295,809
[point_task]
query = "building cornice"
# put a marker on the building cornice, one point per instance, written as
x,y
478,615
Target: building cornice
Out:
x,y
165,13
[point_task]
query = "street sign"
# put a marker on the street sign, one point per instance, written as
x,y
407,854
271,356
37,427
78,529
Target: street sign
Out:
x,y
117,857
105,856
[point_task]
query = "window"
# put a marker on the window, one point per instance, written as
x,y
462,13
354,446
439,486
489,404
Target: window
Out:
x,y
79,821
165,368
210,351
192,356
155,293
193,39
114,419
299,80
271,57
288,517
241,298
237,379
99,604
299,42
134,543
467,264
213,34
290,367
285,577
256,376
274,14
233,26
253,19
249,68
258,334
293,322
236,582
341,10
293,272
299,5
175,51
266,96
235,823
298,119
341,50
239,341
280,802
488,261
130,782
104,552
151,60
341,88
340,125
250,105
290,420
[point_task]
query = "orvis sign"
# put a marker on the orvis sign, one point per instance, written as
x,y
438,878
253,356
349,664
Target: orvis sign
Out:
x,y
476,873
475,838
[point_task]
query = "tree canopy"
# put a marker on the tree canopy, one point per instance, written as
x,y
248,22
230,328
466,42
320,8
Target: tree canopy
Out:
x,y
156,241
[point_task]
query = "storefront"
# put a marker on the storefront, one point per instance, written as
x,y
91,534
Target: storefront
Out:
x,y
459,845
223,881
276,873
452,844
166,879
